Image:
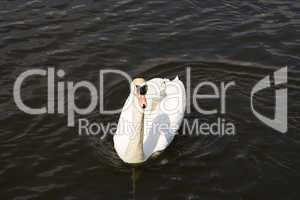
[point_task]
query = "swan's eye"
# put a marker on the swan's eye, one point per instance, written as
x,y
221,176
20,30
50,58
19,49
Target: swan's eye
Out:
x,y
142,90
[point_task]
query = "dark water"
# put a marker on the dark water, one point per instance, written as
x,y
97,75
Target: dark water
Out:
x,y
241,41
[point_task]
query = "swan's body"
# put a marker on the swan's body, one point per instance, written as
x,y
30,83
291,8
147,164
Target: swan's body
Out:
x,y
142,132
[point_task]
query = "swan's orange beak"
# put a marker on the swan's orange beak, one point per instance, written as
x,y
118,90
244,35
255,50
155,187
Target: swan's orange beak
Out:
x,y
142,101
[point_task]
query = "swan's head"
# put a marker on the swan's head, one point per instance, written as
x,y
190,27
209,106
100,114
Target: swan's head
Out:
x,y
139,89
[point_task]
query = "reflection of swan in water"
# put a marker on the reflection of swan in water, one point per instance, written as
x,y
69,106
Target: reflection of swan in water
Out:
x,y
134,178
150,118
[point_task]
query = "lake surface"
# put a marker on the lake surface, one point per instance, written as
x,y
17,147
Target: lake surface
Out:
x,y
241,41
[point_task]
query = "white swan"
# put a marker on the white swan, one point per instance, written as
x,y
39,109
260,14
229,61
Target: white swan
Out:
x,y
150,118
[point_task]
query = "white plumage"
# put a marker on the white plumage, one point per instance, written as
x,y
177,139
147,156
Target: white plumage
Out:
x,y
161,119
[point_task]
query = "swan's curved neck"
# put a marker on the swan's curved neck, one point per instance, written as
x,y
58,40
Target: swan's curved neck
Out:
x,y
134,152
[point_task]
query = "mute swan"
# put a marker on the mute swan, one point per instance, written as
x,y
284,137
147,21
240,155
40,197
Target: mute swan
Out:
x,y
150,118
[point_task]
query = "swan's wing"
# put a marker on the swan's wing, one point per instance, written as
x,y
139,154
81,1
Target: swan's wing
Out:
x,y
172,107
165,120
155,94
